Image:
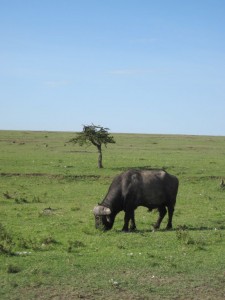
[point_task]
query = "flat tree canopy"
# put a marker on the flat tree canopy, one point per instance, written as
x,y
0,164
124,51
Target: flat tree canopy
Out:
x,y
94,135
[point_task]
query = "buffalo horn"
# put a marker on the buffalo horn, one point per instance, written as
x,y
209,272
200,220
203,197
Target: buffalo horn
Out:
x,y
101,210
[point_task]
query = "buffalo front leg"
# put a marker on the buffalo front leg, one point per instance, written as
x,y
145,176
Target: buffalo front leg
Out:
x,y
162,213
129,216
132,222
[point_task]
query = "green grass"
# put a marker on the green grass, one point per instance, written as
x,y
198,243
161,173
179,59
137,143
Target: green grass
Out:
x,y
49,248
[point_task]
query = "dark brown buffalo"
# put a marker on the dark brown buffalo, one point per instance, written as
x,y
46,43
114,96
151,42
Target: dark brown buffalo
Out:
x,y
149,188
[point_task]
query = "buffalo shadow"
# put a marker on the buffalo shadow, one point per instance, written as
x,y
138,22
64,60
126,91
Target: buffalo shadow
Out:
x,y
178,228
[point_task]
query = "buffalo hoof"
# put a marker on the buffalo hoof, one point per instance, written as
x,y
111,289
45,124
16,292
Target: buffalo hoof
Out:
x,y
155,227
133,228
169,228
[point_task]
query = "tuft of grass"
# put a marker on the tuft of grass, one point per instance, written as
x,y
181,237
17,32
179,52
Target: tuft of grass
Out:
x,y
75,245
49,240
4,234
37,244
7,195
6,241
21,200
5,249
36,199
13,269
185,237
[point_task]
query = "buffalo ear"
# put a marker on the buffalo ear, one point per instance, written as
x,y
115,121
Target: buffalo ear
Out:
x,y
101,210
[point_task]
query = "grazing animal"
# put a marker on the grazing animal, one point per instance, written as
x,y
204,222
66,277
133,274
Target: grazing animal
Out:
x,y
133,188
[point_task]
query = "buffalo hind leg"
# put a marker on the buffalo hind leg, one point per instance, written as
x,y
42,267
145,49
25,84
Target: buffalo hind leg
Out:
x,y
162,213
170,213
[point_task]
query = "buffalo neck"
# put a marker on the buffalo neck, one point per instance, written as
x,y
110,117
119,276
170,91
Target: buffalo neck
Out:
x,y
114,205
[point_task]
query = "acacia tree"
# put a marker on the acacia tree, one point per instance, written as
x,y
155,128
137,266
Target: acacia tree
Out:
x,y
95,135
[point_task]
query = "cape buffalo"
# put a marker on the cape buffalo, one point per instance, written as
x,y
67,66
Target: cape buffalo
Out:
x,y
133,188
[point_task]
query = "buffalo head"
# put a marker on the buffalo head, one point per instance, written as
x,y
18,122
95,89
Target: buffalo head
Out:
x,y
103,217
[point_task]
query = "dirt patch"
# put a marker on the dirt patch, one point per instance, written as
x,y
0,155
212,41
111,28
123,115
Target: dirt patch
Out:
x,y
69,293
167,287
152,287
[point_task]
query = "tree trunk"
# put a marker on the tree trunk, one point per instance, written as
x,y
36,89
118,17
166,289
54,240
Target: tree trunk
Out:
x,y
100,166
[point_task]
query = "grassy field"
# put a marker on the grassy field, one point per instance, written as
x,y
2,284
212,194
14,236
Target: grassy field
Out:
x,y
49,248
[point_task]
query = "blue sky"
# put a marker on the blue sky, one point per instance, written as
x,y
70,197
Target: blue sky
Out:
x,y
136,66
